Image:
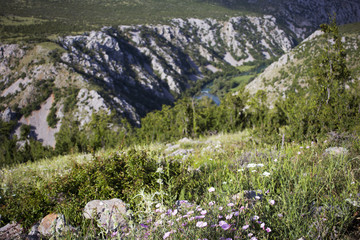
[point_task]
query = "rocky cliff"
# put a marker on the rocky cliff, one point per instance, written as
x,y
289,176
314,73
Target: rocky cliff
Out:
x,y
129,69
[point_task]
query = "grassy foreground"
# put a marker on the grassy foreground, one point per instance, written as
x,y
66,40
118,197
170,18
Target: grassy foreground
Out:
x,y
299,191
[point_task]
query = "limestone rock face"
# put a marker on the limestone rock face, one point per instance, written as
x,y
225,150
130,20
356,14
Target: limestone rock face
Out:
x,y
109,214
11,231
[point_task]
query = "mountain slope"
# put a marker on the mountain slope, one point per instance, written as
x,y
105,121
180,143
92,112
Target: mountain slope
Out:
x,y
131,69
294,68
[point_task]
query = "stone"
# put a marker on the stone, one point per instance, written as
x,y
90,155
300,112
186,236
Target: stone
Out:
x,y
34,233
336,151
248,195
7,115
11,231
54,225
109,214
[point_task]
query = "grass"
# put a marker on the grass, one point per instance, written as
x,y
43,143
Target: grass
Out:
x,y
301,192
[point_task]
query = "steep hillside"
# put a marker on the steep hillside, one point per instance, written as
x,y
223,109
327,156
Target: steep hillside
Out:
x,y
130,69
293,69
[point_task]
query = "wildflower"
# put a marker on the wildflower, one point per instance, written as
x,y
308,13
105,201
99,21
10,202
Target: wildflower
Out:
x,y
299,153
253,238
201,224
159,181
272,202
224,225
199,217
203,212
250,235
236,213
240,170
114,234
307,147
301,147
212,189
280,215
166,235
256,217
211,203
253,171
174,212
229,216
219,216
190,212
220,208
257,197
275,160
224,183
251,165
192,218
262,225
144,226
159,170
266,174
245,227
260,165
268,229
230,204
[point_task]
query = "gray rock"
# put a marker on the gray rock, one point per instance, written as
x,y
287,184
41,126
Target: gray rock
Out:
x,y
109,214
336,151
181,152
34,233
11,231
7,115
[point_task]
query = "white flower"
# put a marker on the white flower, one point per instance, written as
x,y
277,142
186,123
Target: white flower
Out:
x,y
251,165
275,160
159,170
272,202
212,189
240,170
260,165
266,174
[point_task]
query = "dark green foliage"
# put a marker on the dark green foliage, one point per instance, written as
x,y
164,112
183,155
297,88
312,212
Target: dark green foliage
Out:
x,y
325,105
51,118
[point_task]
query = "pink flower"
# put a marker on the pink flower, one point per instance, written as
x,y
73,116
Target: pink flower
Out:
x,y
211,203
220,208
262,225
272,202
230,204
203,212
201,224
268,229
199,217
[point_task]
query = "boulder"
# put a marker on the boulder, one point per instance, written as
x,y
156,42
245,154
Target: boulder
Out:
x,y
53,225
336,151
11,231
109,214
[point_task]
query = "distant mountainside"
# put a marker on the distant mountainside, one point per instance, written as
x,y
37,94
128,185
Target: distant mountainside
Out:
x,y
130,69
39,18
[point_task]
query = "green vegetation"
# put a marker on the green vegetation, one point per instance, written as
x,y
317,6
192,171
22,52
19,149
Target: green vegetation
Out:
x,y
37,19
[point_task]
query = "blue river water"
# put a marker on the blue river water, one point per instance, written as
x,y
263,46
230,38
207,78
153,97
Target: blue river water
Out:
x,y
205,92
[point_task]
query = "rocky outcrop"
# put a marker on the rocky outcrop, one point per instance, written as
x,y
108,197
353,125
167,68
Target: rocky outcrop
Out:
x,y
109,214
11,231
